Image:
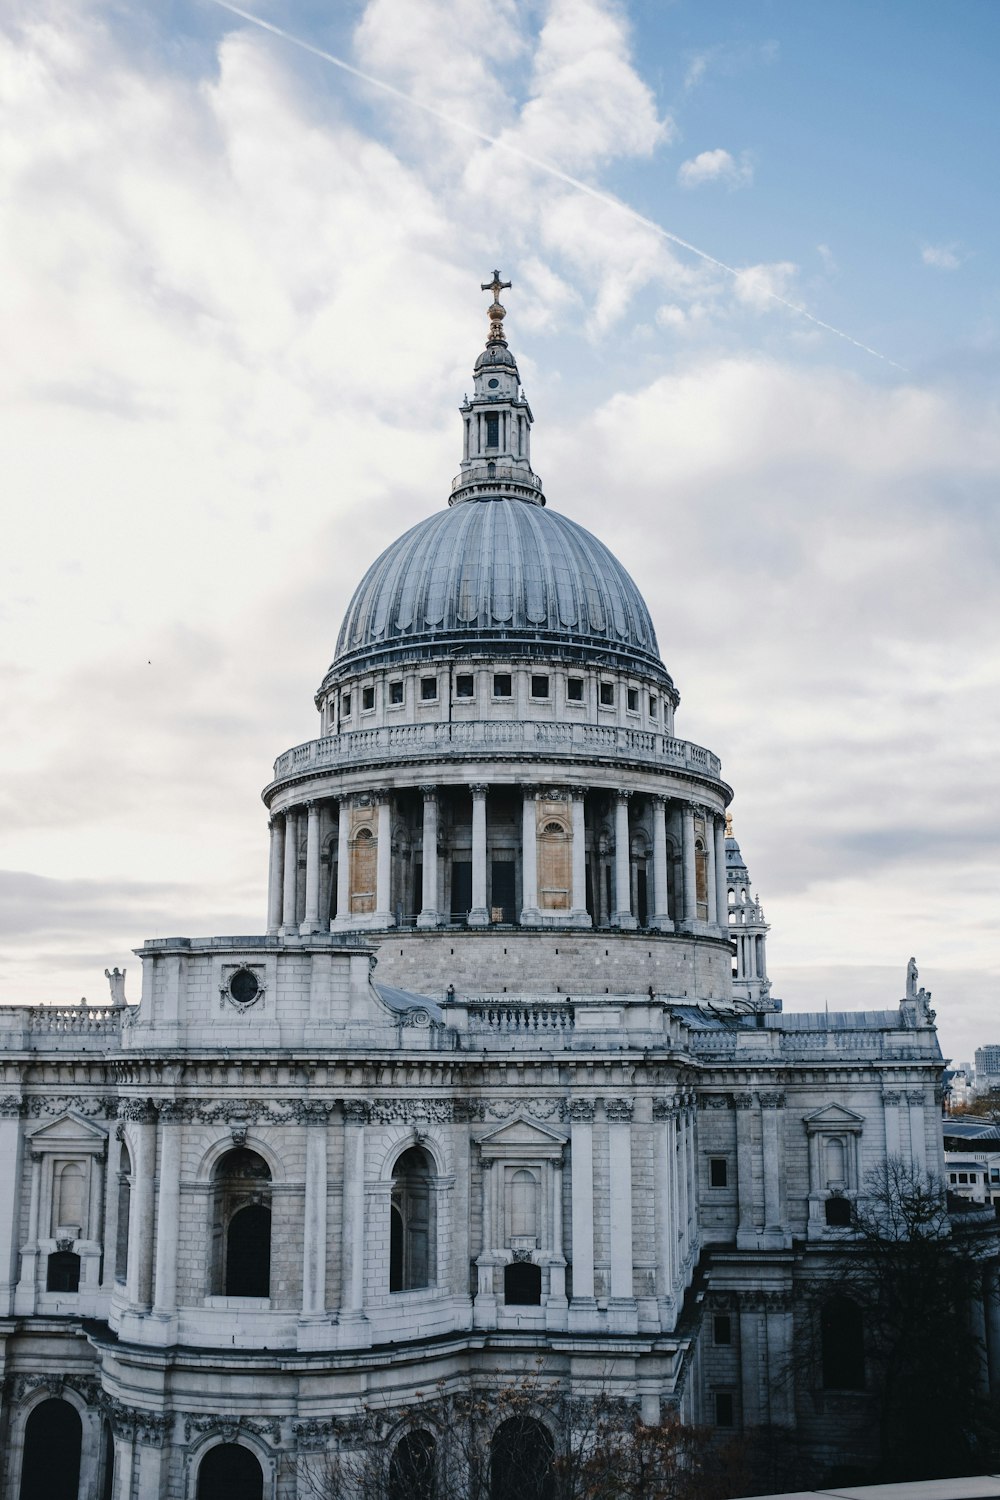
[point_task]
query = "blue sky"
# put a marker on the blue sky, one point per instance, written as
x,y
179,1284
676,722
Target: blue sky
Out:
x,y
239,303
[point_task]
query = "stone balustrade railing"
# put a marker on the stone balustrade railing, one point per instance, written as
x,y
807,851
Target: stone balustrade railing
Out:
x,y
525,1019
75,1020
806,1044
489,470
489,737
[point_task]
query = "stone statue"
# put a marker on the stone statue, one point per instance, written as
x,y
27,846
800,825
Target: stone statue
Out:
x,y
911,979
116,979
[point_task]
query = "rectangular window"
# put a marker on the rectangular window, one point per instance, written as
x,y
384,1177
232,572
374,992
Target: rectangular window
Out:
x,y
723,1408
345,706
722,1329
502,685
963,1177
367,697
607,695
465,685
492,430
632,700
718,1171
574,690
653,707
395,692
428,689
539,686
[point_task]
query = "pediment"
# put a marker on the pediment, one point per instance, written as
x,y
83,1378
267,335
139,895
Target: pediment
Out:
x,y
68,1132
521,1137
833,1116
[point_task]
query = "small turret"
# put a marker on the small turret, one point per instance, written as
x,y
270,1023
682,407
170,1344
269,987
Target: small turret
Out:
x,y
748,931
496,455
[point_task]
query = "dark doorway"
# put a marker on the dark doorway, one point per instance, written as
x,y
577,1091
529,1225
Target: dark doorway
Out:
x,y
411,1468
62,1272
522,1284
461,889
248,1252
502,900
521,1461
230,1472
53,1435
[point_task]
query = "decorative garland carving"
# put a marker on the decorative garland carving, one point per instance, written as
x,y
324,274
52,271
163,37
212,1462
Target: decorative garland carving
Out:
x,y
715,1101
230,1428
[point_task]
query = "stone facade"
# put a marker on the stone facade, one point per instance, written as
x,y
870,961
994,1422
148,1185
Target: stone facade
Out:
x,y
496,1085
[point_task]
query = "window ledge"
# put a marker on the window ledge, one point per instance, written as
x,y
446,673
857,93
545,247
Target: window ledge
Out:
x,y
239,1304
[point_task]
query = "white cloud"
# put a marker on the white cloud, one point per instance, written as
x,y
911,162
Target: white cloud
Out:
x,y
715,166
728,59
942,257
757,287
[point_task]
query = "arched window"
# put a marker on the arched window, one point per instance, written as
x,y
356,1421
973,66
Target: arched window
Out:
x,y
50,1469
843,1345
69,1206
124,1209
411,1238
230,1472
835,1162
241,1225
364,857
521,1461
62,1272
522,1204
522,1284
411,1467
701,876
555,867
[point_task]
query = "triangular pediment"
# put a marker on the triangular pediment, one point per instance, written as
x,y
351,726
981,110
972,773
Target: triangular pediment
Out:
x,y
521,1135
834,1114
68,1130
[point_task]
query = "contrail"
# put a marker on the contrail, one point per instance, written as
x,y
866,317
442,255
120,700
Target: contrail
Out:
x,y
543,166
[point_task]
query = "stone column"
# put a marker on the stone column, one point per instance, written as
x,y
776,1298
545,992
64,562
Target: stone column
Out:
x,y
109,1232
664,1209
746,1235
314,1246
712,890
578,903
383,916
557,1270
479,916
168,1210
485,1311
771,1106
352,1315
661,906
275,869
619,1116
690,876
890,1111
583,1307
721,888
918,1138
140,1227
291,873
530,915
310,919
623,865
343,917
429,914
24,1296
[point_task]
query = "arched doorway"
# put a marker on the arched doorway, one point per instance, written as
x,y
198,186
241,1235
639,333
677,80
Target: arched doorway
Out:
x,y
521,1461
230,1472
411,1468
53,1435
241,1225
411,1238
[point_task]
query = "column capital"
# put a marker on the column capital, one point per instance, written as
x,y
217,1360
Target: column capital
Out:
x,y
357,1112
622,795
429,790
618,1111
581,1110
577,793
771,1101
479,788
657,799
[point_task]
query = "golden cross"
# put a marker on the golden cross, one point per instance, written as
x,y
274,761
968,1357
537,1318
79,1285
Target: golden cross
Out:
x,y
496,286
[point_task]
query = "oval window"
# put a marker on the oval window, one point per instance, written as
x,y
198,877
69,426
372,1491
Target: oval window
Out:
x,y
244,987
493,383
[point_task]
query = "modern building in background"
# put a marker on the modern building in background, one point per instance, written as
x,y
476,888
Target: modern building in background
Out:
x,y
500,1087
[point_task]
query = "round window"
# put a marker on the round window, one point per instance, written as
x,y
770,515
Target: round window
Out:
x,y
493,383
244,987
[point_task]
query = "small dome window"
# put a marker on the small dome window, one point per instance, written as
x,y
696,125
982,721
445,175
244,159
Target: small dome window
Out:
x,y
493,383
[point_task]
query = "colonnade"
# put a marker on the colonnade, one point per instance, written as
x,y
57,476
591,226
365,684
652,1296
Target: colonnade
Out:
x,y
686,834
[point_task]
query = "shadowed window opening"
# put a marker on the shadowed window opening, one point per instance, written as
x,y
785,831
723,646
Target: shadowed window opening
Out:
x,y
411,1468
521,1461
411,1240
843,1345
838,1212
230,1472
62,1273
53,1435
124,1208
522,1284
241,1225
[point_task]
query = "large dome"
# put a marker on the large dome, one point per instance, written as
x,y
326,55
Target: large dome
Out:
x,y
498,575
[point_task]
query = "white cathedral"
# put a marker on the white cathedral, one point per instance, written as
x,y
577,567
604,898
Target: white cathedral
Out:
x,y
502,1086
